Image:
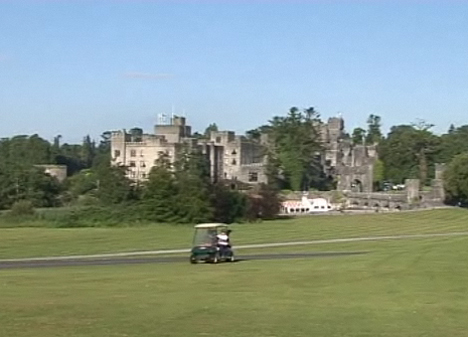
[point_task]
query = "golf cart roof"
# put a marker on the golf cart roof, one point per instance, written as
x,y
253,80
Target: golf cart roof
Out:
x,y
211,225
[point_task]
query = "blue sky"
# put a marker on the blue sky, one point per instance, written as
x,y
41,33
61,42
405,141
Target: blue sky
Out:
x,y
84,67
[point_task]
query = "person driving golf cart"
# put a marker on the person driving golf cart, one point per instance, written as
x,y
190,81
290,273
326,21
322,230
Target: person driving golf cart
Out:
x,y
223,241
211,243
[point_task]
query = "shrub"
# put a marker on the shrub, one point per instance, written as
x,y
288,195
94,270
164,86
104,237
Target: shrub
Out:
x,y
22,208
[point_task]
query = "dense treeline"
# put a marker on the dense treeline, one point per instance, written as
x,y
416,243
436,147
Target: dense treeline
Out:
x,y
412,150
182,192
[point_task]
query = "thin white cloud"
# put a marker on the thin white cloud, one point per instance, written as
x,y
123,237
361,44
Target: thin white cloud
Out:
x,y
148,76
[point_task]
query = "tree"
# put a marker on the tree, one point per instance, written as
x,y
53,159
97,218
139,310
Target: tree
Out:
x,y
256,134
296,146
71,156
103,151
374,134
192,176
272,170
270,203
228,205
451,129
198,135
27,183
25,151
452,143
408,152
211,128
456,179
159,197
378,176
82,183
88,151
425,144
113,187
358,136
56,144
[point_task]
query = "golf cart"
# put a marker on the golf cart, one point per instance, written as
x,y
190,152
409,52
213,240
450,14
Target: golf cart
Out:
x,y
205,244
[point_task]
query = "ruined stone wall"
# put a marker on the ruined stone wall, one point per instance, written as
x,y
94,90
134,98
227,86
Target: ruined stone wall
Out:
x,y
411,198
351,165
412,187
357,179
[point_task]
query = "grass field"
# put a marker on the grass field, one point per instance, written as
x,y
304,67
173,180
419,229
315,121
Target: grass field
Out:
x,y
399,288
414,287
33,242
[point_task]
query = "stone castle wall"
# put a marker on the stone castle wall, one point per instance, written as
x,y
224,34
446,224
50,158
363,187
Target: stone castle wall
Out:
x,y
231,157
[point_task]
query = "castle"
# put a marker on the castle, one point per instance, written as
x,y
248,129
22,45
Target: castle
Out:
x,y
231,157
352,165
236,158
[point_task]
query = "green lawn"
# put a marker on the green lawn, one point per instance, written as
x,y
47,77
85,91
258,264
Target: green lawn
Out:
x,y
399,288
32,242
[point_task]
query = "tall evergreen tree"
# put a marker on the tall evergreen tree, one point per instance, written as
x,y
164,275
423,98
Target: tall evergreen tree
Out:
x,y
159,198
296,145
374,133
193,186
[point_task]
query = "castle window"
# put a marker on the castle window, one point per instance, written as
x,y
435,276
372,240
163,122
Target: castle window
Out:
x,y
234,152
142,164
234,162
253,176
116,153
132,164
218,139
132,153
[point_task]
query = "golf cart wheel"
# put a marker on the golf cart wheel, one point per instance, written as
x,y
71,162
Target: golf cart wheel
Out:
x,y
193,259
232,258
215,258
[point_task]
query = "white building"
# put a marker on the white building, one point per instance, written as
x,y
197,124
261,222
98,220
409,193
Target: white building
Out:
x,y
305,206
